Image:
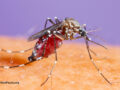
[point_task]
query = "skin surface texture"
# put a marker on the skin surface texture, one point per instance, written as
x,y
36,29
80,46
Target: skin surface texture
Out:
x,y
74,70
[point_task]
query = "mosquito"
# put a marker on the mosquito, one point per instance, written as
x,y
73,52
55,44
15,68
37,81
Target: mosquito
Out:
x,y
50,39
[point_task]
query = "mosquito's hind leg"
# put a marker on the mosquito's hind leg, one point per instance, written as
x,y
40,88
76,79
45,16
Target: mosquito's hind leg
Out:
x,y
31,59
46,22
10,51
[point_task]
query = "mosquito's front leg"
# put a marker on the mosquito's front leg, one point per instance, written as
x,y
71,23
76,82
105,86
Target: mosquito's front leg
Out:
x,y
55,62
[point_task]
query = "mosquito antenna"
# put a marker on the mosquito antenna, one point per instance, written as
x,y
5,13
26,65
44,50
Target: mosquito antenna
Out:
x,y
89,33
97,37
88,49
92,31
95,43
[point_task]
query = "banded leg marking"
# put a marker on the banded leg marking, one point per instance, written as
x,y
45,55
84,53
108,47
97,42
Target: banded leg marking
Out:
x,y
50,20
10,51
88,49
56,59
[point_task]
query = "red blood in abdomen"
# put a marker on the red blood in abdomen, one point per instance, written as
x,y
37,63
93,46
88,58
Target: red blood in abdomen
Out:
x,y
49,47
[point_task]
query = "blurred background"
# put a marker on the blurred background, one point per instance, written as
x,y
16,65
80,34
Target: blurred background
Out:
x,y
22,17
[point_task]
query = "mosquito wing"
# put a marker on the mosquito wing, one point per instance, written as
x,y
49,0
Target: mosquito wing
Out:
x,y
44,32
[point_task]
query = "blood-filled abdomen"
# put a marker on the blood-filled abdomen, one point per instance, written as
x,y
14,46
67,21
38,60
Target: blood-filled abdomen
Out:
x,y
45,46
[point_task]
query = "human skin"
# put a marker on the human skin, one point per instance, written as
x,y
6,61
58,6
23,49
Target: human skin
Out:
x,y
74,70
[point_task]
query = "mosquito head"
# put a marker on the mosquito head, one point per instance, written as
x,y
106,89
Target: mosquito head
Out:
x,y
72,27
82,30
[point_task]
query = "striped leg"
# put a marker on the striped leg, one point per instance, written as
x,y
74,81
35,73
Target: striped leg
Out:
x,y
21,65
88,49
10,51
49,75
31,59
50,20
56,20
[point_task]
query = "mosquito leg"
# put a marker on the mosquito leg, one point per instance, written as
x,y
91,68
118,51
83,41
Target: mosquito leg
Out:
x,y
56,59
10,51
31,59
93,52
88,49
21,65
56,20
60,36
50,20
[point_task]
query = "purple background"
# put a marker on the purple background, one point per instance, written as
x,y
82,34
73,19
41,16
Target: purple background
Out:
x,y
18,16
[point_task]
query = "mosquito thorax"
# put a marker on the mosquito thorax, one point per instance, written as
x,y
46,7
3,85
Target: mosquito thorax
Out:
x,y
70,23
70,27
